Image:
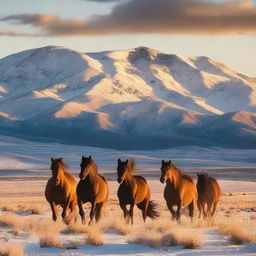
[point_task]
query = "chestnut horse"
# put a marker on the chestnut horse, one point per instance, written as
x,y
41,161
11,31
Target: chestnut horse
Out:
x,y
61,190
180,190
92,188
134,190
208,194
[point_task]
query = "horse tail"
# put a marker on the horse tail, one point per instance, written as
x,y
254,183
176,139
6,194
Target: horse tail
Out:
x,y
152,211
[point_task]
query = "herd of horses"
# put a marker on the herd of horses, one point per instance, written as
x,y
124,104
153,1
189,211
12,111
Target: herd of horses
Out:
x,y
180,190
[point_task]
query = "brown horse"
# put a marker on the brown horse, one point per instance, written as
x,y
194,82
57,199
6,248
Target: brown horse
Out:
x,y
134,190
92,188
208,194
61,190
180,189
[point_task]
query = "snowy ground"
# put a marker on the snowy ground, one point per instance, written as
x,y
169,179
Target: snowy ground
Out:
x,y
24,169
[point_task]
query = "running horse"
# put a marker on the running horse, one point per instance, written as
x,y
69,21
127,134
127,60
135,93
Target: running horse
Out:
x,y
180,190
61,190
92,188
134,190
209,193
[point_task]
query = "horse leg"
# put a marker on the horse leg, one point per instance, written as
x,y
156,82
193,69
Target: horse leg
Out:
x,y
65,210
131,212
200,209
99,210
178,214
123,207
143,206
191,208
92,212
81,211
170,207
73,211
54,210
209,207
214,208
204,210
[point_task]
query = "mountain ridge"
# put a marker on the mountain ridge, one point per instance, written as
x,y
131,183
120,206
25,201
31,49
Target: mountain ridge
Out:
x,y
126,99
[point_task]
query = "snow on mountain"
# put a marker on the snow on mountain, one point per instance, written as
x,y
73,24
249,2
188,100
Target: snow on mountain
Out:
x,y
139,98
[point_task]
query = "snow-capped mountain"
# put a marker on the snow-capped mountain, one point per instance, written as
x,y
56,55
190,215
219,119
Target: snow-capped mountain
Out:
x,y
139,98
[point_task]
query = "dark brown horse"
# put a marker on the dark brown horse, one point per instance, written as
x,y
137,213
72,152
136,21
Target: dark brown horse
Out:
x,y
134,190
209,193
61,190
180,189
92,188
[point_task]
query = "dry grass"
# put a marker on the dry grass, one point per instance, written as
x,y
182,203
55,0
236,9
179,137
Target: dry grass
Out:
x,y
50,240
188,238
43,226
11,249
25,206
12,220
33,208
151,238
237,230
237,202
164,232
95,236
77,228
121,227
155,239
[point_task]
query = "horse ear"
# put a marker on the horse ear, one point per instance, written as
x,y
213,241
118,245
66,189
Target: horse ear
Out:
x,y
162,162
119,161
52,159
83,157
170,162
90,157
126,162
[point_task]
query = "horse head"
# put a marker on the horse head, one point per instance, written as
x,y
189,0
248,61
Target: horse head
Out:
x,y
85,165
202,177
165,170
122,170
57,169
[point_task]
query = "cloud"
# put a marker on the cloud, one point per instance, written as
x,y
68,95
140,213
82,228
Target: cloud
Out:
x,y
152,17
4,32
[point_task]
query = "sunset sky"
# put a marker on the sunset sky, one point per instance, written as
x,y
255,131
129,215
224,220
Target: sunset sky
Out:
x,y
223,30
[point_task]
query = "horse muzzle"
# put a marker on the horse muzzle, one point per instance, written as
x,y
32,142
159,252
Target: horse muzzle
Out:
x,y
83,176
57,182
162,180
120,181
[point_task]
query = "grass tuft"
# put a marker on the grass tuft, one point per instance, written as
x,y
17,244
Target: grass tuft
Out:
x,y
50,240
11,249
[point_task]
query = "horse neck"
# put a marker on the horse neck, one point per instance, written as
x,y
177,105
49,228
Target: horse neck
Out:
x,y
129,177
175,178
62,176
92,174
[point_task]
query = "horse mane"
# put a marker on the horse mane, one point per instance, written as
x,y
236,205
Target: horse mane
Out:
x,y
132,166
61,163
93,170
181,174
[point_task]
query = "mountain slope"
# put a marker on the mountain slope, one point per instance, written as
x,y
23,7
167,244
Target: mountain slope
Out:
x,y
138,98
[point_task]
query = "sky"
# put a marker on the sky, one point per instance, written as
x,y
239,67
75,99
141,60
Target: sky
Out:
x,y
221,29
